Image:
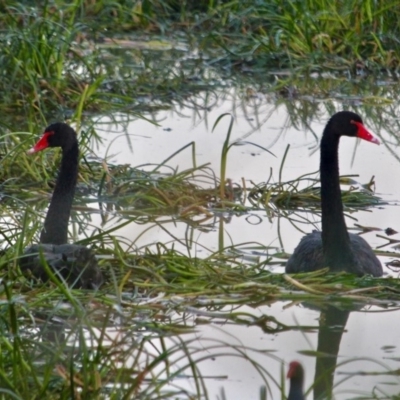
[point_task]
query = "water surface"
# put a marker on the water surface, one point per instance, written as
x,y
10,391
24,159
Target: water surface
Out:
x,y
364,337
360,338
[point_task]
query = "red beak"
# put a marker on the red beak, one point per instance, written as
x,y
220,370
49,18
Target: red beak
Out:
x,y
364,133
42,144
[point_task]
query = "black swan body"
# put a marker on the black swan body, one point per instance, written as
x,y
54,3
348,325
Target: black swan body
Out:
x,y
334,247
73,263
296,376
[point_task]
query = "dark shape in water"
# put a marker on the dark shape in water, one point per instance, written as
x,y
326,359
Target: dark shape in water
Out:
x,y
390,231
332,324
335,247
76,264
296,376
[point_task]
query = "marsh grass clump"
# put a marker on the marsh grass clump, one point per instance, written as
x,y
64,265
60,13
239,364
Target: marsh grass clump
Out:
x,y
289,195
53,61
170,190
69,57
317,34
45,66
56,342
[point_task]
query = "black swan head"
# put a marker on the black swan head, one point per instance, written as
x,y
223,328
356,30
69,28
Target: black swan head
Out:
x,y
56,135
347,123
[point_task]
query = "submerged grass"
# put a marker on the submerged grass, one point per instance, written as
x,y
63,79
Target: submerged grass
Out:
x,y
291,195
59,60
147,289
79,347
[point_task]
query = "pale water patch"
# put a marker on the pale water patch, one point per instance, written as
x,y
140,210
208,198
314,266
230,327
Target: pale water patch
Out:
x,y
367,343
240,359
260,121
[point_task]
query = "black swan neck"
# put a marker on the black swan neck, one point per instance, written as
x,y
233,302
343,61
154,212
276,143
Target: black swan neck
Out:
x,y
335,238
55,230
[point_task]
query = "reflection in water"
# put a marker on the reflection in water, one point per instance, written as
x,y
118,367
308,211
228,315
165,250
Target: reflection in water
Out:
x,y
171,358
270,124
164,344
332,323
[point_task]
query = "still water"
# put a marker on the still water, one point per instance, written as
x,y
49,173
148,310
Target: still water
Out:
x,y
139,143
364,337
361,339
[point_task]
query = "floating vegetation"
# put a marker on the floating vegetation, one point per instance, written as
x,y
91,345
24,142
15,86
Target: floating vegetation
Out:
x,y
288,195
140,335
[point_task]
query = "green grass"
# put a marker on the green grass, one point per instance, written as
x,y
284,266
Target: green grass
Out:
x,y
32,313
316,34
59,61
43,336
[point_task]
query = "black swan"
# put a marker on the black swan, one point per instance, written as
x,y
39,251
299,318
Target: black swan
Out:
x,y
335,247
296,376
75,264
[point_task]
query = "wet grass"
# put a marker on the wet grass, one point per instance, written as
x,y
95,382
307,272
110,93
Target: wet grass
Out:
x,y
144,284
81,59
291,195
69,341
58,61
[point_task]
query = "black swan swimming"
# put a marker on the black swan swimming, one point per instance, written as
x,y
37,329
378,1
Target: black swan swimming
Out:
x,y
335,247
296,376
75,264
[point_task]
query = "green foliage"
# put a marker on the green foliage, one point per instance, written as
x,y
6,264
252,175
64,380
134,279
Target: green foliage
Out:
x,y
55,56
62,59
310,33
